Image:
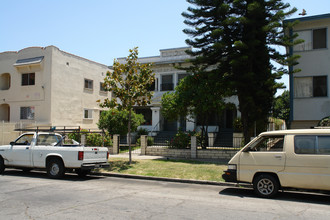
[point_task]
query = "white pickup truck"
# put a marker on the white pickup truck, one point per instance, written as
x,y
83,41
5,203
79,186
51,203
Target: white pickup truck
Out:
x,y
46,150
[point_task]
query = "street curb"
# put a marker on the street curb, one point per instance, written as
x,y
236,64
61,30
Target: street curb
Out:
x,y
131,176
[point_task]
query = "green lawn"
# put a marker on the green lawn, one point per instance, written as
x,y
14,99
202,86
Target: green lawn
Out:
x,y
182,169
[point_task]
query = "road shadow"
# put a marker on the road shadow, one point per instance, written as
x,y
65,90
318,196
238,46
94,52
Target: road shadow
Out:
x,y
292,196
43,175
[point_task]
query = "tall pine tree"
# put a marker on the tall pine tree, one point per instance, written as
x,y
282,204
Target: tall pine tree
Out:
x,y
237,39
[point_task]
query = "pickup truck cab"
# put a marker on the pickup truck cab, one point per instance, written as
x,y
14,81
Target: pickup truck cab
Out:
x,y
46,150
276,160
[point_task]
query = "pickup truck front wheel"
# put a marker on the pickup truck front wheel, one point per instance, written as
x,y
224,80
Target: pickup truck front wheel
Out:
x,y
55,168
2,165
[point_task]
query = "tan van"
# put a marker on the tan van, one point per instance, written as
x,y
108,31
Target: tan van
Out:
x,y
283,159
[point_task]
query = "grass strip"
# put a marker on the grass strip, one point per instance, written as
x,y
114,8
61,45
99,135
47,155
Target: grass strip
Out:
x,y
181,169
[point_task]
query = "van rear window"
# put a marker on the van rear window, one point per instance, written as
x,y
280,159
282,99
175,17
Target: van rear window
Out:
x,y
312,144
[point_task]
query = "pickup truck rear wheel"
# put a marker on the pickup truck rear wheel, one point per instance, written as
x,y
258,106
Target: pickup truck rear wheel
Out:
x,y
2,165
55,168
266,185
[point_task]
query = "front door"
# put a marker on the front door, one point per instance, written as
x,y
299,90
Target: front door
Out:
x,y
265,155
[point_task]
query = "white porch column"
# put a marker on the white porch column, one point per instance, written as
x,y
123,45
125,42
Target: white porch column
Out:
x,y
190,123
155,118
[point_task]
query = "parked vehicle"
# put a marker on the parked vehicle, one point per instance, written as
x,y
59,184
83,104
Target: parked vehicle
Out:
x,y
283,159
47,150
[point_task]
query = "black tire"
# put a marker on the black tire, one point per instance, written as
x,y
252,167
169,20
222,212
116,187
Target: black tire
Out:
x,y
55,168
266,185
2,165
82,173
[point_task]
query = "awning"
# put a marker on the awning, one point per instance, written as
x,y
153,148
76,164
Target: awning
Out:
x,y
28,61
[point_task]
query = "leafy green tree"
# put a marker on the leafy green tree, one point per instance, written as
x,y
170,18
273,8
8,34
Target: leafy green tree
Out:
x,y
115,121
195,96
281,107
238,38
129,82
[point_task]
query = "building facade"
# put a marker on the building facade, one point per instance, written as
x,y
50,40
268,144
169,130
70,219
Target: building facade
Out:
x,y
44,85
309,95
167,78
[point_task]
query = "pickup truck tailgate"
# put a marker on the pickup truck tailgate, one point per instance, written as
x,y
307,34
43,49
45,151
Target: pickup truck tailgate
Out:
x,y
95,154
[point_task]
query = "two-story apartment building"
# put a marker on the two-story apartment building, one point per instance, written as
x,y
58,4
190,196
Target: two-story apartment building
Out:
x,y
45,85
309,95
167,78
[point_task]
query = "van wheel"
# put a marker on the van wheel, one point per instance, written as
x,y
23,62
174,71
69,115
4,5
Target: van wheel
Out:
x,y
2,165
266,185
55,168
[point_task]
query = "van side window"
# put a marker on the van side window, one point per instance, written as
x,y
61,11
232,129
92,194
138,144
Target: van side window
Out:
x,y
271,143
312,144
324,145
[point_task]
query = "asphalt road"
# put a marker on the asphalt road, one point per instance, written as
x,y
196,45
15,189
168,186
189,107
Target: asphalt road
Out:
x,y
34,196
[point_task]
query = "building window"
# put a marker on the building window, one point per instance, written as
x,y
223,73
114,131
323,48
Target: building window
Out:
x,y
88,84
319,38
88,113
306,87
313,39
28,79
102,87
167,83
27,113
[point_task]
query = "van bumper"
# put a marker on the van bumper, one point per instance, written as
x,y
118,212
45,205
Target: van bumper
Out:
x,y
230,176
91,166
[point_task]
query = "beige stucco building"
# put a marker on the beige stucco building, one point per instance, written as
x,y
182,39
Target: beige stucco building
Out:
x,y
44,85
309,93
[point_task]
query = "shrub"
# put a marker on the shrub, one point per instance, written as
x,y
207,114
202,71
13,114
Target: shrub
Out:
x,y
180,141
92,139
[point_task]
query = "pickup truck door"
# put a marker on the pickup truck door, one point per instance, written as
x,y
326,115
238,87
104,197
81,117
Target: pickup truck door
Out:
x,y
20,151
44,146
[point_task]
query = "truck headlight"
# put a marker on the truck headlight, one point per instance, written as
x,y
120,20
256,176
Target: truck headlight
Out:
x,y
232,167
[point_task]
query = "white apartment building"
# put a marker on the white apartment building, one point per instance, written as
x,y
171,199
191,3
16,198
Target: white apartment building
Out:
x,y
167,78
309,95
44,85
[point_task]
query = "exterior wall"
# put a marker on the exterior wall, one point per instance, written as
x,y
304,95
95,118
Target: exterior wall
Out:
x,y
37,95
58,96
307,111
69,97
186,153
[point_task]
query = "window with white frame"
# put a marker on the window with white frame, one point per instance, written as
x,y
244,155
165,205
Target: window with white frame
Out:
x,y
27,113
313,86
88,113
313,39
88,84
28,79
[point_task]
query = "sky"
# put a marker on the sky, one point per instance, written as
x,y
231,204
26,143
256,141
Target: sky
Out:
x,y
102,30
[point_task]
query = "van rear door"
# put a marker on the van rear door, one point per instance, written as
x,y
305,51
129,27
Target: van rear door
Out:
x,y
264,155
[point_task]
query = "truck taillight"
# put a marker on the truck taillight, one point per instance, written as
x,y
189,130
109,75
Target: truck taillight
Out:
x,y
108,155
80,155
